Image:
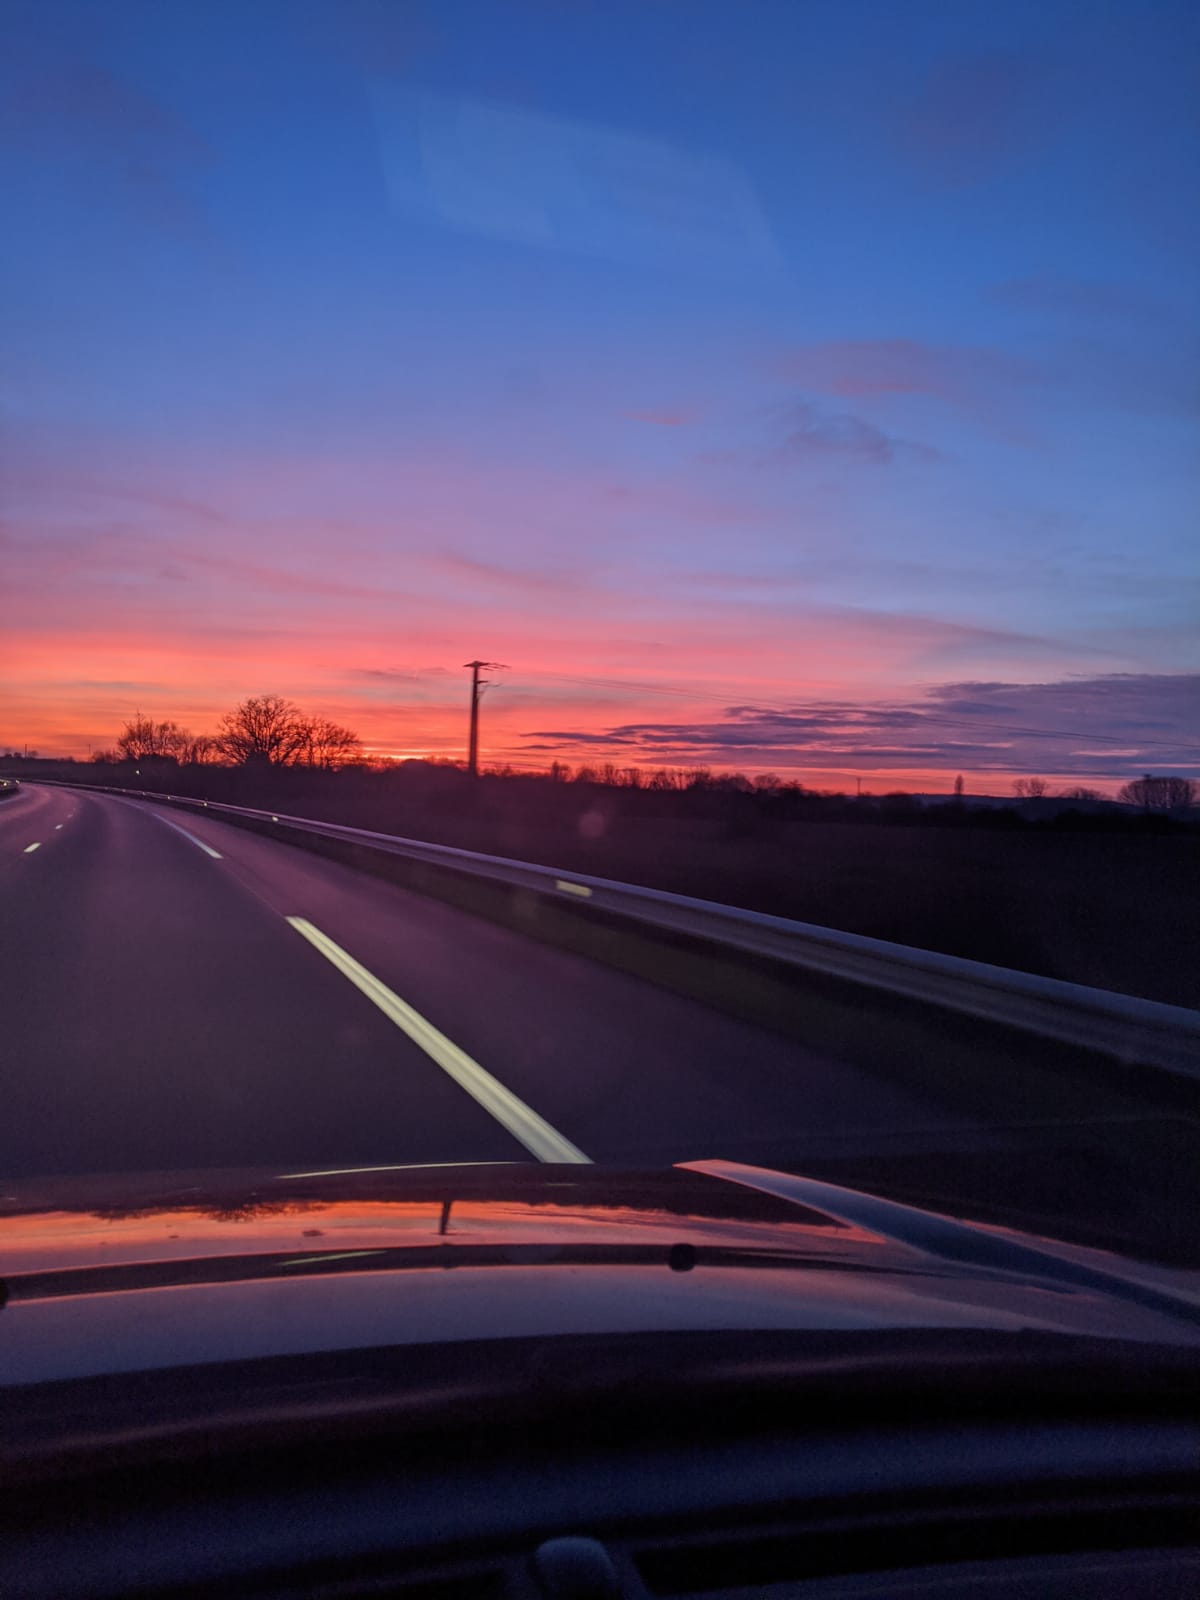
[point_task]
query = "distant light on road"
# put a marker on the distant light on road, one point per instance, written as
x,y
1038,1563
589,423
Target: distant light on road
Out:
x,y
581,889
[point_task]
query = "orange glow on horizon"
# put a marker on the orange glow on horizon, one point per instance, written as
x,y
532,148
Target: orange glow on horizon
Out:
x,y
74,712
367,625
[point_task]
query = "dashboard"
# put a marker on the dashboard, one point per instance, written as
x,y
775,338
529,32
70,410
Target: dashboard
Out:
x,y
827,1491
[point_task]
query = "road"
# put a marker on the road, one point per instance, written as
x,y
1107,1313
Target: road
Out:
x,y
161,1011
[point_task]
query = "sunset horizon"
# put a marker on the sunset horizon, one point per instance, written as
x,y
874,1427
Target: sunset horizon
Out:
x,y
983,730
600,377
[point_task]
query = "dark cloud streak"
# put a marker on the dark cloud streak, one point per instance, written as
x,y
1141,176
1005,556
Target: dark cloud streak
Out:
x,y
972,114
813,432
1137,721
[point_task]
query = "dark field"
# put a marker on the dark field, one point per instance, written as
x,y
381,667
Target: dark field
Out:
x,y
1118,913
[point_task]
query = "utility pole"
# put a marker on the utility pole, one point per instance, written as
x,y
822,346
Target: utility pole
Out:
x,y
478,685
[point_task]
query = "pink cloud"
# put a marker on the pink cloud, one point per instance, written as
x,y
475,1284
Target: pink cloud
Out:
x,y
656,499
1091,299
994,386
977,381
663,419
859,368
520,579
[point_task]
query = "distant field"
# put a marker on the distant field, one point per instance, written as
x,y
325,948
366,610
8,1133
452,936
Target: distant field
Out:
x,y
1117,912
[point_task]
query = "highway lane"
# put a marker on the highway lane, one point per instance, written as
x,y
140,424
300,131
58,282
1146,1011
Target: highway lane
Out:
x,y
157,1014
30,815
160,1010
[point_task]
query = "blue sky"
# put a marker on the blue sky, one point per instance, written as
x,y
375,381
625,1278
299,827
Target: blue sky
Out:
x,y
816,358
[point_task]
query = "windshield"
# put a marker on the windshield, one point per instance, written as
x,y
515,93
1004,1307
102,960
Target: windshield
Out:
x,y
604,585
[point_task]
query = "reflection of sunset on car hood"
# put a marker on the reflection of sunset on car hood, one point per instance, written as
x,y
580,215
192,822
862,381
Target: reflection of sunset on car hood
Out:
x,y
62,1240
238,1274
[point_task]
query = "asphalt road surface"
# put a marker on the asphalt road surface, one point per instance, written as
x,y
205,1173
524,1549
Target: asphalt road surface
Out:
x,y
178,993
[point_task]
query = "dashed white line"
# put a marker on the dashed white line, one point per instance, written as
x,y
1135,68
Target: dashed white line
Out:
x,y
30,848
531,1130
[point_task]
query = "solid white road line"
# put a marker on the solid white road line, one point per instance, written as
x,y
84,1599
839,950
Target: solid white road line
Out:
x,y
538,1137
190,837
199,843
30,848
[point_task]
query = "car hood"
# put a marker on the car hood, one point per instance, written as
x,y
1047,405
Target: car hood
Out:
x,y
129,1275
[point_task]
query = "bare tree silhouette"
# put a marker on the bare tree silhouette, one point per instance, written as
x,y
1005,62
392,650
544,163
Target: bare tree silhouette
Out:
x,y
1030,788
1160,794
264,730
143,739
202,750
327,744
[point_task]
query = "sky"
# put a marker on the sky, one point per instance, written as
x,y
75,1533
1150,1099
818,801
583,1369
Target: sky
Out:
x,y
806,387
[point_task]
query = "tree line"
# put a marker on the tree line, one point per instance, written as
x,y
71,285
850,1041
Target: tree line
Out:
x,y
270,731
1150,793
263,730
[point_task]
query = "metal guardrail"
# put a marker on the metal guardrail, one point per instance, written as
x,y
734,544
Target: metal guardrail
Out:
x,y
1122,1026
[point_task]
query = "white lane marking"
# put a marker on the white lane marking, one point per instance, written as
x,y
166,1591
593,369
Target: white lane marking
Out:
x,y
536,1134
30,848
57,826
190,837
199,843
